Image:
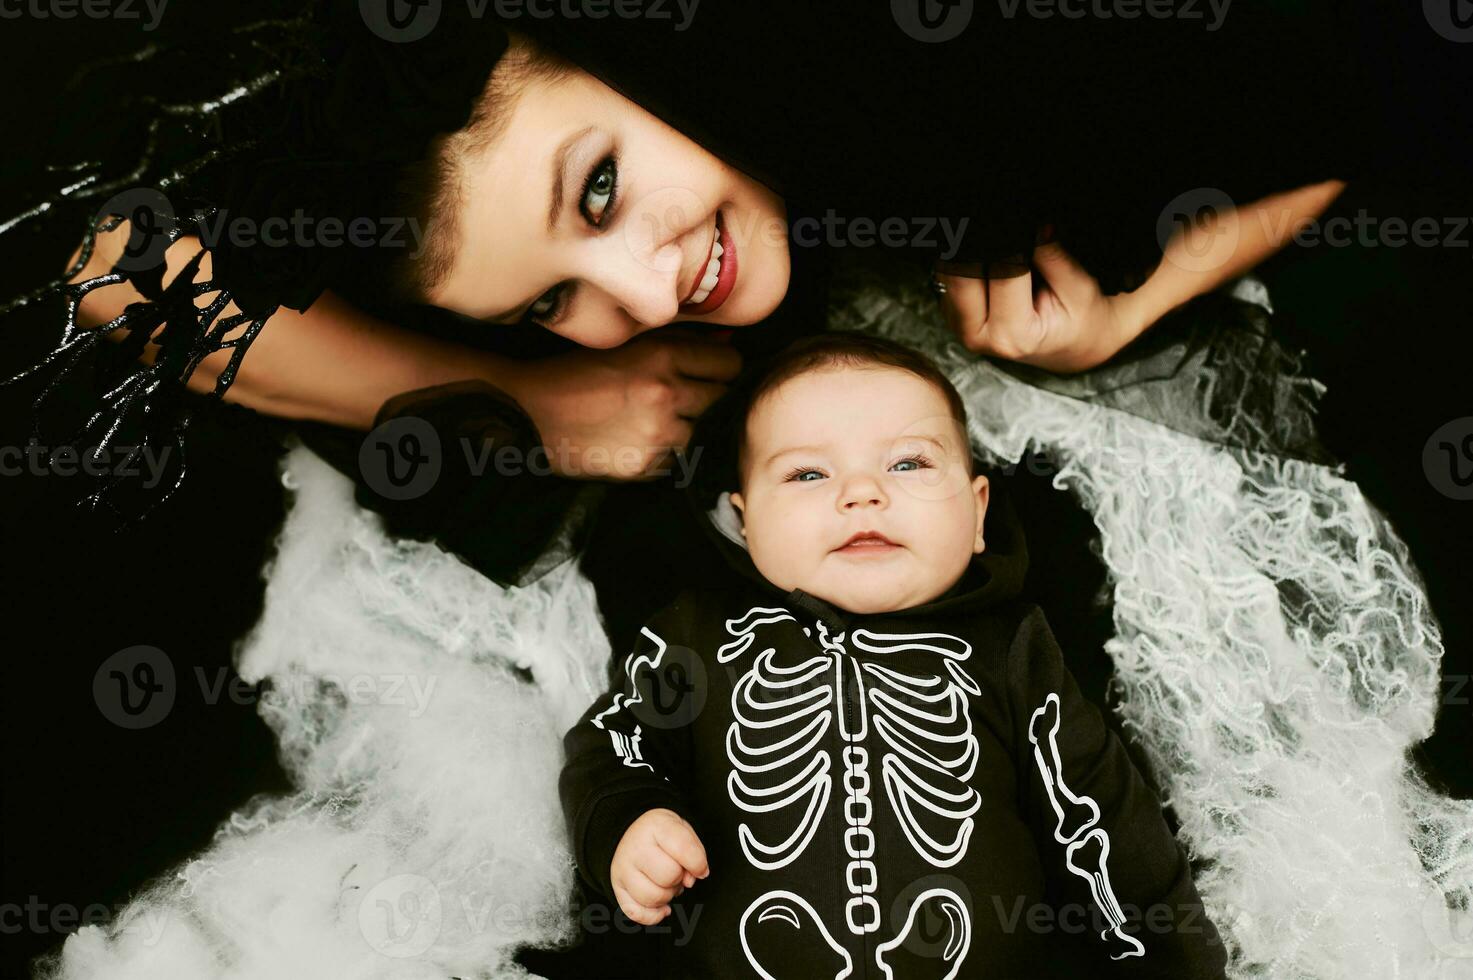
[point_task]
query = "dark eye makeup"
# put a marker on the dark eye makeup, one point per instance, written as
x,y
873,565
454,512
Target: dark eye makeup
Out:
x,y
600,192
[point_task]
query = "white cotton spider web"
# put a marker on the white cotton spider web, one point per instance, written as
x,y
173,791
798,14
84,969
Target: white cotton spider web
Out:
x,y
1276,656
1274,650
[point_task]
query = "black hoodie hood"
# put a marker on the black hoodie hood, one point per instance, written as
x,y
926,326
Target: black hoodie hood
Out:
x,y
993,577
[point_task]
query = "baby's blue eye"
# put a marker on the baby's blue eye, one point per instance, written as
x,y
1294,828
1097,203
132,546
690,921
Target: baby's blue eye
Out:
x,y
806,473
915,462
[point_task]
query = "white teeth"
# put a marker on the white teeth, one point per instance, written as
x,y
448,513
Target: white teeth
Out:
x,y
712,276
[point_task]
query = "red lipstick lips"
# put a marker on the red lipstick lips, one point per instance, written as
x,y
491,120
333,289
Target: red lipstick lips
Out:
x,y
725,280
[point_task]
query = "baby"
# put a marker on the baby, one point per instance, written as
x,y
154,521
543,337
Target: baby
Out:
x,y
870,760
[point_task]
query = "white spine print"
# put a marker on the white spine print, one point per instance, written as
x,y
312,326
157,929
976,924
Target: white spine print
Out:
x,y
1088,846
861,875
626,746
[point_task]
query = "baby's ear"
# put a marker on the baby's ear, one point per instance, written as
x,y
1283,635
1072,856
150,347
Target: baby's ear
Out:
x,y
983,490
740,505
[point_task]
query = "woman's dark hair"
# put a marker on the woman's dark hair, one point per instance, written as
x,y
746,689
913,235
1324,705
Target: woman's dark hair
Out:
x,y
428,190
374,130
312,120
842,349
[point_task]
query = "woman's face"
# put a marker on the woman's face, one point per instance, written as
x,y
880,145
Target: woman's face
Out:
x,y
595,219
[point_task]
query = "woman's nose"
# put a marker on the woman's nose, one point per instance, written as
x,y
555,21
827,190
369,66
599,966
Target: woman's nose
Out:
x,y
641,282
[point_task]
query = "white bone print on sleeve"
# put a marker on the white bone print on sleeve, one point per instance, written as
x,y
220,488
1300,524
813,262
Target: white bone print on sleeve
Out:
x,y
1075,818
626,744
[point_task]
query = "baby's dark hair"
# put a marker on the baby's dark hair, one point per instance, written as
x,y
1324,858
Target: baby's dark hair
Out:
x,y
842,348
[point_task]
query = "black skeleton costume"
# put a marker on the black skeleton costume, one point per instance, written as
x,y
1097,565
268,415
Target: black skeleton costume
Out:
x,y
1329,857
857,779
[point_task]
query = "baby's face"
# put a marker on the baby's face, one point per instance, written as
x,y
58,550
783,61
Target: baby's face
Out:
x,y
845,450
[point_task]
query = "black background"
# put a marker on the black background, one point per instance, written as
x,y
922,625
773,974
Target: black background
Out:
x,y
91,812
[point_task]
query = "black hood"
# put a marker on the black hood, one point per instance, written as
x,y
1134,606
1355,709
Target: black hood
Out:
x,y
995,576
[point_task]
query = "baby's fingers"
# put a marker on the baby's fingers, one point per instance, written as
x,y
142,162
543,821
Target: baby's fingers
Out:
x,y
637,912
681,843
647,893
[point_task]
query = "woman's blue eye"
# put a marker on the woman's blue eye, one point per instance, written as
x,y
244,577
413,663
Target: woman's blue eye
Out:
x,y
598,191
546,305
598,197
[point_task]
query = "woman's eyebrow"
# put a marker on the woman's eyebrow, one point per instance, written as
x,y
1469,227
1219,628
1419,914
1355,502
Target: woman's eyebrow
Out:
x,y
560,174
555,208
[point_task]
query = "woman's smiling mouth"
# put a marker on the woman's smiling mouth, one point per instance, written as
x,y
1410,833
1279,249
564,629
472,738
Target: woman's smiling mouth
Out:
x,y
717,278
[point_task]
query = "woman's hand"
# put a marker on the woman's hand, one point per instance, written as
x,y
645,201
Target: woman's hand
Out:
x,y
617,413
1051,315
1054,315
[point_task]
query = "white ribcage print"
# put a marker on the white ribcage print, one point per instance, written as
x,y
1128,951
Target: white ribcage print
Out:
x,y
781,717
783,714
924,721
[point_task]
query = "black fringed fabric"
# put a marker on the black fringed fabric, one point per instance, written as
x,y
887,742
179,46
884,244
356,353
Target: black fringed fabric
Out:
x,y
314,115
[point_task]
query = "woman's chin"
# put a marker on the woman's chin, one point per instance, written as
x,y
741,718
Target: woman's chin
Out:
x,y
758,297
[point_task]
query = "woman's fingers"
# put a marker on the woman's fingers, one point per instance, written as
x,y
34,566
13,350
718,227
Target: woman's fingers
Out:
x,y
964,305
1074,287
693,397
1010,312
993,315
706,358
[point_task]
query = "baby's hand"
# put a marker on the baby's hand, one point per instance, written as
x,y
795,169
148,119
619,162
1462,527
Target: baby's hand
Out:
x,y
659,857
